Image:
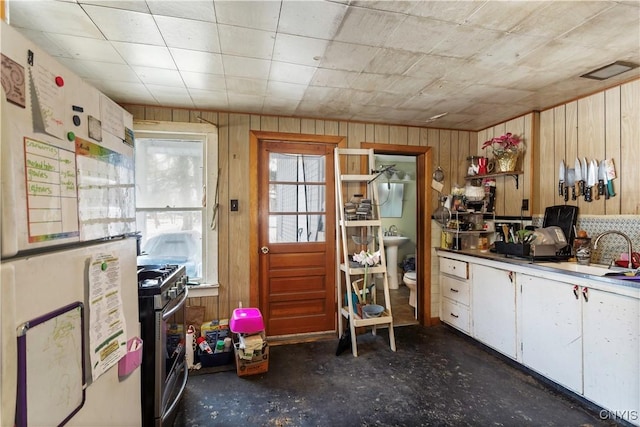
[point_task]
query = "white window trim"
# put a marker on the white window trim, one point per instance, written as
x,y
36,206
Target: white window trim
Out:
x,y
210,132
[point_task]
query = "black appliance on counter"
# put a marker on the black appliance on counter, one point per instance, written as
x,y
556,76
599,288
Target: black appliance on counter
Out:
x,y
565,217
162,296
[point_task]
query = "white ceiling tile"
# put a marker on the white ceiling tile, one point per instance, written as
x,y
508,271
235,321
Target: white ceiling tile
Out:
x,y
392,61
247,86
431,33
171,96
203,81
189,34
407,86
134,5
437,66
246,67
96,70
503,15
208,99
379,26
456,12
347,56
197,61
291,73
246,103
246,42
299,50
45,42
53,17
369,82
141,54
285,90
312,19
124,91
87,49
159,76
508,49
281,106
196,10
261,15
331,78
389,6
465,41
125,26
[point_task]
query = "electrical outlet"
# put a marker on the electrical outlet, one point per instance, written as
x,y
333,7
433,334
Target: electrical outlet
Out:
x,y
234,205
525,204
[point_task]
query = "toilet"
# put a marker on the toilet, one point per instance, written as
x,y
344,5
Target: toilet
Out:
x,y
410,279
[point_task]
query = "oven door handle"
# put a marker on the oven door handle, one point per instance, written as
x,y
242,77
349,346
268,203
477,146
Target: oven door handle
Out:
x,y
176,307
175,402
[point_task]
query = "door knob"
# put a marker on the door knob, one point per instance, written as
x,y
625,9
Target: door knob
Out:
x,y
264,249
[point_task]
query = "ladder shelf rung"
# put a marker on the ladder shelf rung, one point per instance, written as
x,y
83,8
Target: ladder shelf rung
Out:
x,y
362,223
386,318
357,178
361,270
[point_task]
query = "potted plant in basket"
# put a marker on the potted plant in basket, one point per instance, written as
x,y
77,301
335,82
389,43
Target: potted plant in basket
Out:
x,y
505,149
366,259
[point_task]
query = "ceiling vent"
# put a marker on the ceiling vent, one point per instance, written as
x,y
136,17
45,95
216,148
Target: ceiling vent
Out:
x,y
610,70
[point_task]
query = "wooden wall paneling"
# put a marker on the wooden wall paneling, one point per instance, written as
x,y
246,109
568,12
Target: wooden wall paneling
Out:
x,y
545,163
531,122
308,126
343,130
289,125
269,123
630,149
224,238
444,144
137,111
512,195
381,133
331,127
158,113
559,147
239,127
369,132
413,136
180,115
398,135
612,137
458,163
591,133
256,122
429,138
320,127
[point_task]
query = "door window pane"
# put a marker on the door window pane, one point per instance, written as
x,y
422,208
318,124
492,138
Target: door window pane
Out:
x,y
297,196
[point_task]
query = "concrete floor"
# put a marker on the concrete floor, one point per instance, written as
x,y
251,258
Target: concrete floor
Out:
x,y
436,378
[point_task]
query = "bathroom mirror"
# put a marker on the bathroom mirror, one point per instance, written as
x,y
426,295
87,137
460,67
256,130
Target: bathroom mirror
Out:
x,y
390,195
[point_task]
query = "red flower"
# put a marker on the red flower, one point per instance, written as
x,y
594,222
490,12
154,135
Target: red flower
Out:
x,y
506,142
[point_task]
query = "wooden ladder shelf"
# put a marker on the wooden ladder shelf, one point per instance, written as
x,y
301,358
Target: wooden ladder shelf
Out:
x,y
369,229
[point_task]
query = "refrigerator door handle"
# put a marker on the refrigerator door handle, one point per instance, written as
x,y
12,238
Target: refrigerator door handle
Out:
x,y
8,347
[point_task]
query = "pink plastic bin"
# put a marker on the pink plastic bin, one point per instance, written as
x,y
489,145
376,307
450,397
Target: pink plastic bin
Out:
x,y
246,321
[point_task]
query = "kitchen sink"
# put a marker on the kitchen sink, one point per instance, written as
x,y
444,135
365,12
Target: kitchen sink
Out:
x,y
594,270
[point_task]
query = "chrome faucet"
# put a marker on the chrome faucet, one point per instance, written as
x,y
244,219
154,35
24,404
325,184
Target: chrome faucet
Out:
x,y
629,249
393,230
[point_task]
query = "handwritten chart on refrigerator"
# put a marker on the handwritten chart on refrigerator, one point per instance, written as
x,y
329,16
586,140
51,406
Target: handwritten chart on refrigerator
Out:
x,y
106,192
52,205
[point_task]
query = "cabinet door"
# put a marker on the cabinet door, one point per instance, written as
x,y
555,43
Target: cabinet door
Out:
x,y
493,308
611,345
552,330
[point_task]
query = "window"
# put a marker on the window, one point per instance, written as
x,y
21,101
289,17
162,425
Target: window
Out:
x,y
172,182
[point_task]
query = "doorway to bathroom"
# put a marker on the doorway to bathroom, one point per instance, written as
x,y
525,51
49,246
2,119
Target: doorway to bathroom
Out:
x,y
405,207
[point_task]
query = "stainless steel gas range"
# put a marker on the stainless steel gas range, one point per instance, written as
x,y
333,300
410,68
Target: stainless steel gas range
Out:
x,y
162,296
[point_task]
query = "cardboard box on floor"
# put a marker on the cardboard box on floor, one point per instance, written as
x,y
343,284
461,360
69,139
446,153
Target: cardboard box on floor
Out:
x,y
258,364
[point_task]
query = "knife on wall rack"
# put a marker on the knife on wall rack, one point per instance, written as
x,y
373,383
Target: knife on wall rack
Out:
x,y
579,187
595,182
561,178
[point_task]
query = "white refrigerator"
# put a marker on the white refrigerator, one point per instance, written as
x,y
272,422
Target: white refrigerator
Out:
x,y
68,280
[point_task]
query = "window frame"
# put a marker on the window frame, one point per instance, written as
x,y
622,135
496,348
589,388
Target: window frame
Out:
x,y
209,132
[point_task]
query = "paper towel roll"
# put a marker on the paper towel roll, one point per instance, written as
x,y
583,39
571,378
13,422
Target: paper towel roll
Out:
x,y
189,344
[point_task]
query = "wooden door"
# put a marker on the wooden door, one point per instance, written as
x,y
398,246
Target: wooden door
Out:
x,y
296,236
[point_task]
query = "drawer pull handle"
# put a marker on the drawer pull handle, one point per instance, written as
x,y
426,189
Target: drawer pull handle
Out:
x,y
453,290
453,315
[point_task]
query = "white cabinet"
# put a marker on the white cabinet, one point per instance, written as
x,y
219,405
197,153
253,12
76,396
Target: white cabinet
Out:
x,y
493,308
455,291
611,352
551,330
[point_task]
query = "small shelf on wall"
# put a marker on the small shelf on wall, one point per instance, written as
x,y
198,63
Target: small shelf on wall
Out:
x,y
514,174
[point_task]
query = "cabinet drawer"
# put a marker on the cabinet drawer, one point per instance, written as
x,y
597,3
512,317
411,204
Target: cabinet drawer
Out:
x,y
456,290
456,315
454,267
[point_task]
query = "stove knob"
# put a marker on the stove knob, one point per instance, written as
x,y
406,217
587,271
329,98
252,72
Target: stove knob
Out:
x,y
173,292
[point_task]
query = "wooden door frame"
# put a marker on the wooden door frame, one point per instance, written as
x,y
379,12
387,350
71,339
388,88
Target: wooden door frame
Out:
x,y
255,137
423,220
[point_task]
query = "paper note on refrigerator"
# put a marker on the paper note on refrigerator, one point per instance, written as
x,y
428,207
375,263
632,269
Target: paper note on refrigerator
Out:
x,y
107,327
